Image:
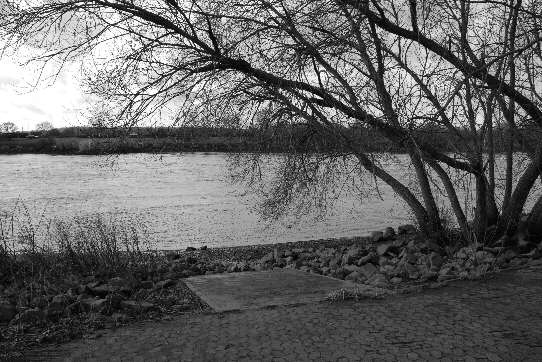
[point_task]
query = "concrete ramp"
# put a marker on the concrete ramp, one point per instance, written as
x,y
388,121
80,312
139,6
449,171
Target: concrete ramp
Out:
x,y
253,290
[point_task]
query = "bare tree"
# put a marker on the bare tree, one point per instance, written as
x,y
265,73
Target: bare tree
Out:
x,y
44,126
397,67
8,127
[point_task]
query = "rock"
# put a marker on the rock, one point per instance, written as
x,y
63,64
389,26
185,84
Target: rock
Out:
x,y
411,271
431,246
39,302
163,284
137,306
146,284
93,305
326,270
354,276
408,256
183,307
377,236
102,290
367,270
406,229
436,261
378,280
382,249
371,257
204,247
351,255
429,276
396,280
351,268
172,255
7,311
29,316
190,248
387,248
389,233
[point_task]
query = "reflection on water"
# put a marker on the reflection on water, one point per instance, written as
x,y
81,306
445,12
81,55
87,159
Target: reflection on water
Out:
x,y
181,200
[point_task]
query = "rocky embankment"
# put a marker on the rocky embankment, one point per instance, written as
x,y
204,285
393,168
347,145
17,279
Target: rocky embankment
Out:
x,y
76,305
392,260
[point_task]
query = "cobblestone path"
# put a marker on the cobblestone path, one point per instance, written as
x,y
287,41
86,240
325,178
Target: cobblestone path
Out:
x,y
496,319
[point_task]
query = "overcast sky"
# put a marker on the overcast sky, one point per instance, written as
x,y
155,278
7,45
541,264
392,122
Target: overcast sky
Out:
x,y
26,105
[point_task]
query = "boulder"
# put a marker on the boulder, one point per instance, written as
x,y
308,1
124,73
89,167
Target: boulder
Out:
x,y
204,247
7,311
190,248
367,270
377,236
389,233
408,256
406,229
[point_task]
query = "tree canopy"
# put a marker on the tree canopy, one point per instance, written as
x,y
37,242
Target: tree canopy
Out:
x,y
392,65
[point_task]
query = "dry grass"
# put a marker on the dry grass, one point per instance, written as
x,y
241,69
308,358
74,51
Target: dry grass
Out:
x,y
39,248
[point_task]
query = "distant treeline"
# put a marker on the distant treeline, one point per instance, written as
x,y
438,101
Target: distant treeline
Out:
x,y
91,140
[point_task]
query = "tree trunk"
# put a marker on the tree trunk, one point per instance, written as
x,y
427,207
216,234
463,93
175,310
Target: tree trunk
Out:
x,y
510,216
452,196
534,222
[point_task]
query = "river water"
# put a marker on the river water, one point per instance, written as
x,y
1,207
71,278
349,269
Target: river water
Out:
x,y
181,200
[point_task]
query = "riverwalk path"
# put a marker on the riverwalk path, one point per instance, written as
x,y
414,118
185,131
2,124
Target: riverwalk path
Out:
x,y
495,319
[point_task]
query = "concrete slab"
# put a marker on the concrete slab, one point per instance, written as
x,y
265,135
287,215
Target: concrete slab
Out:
x,y
252,290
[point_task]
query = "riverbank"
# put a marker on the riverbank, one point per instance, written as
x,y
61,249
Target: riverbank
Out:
x,y
71,301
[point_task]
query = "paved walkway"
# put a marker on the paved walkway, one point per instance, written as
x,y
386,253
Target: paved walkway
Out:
x,y
499,319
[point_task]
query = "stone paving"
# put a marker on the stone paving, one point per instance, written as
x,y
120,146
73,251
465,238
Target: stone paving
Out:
x,y
495,319
254,290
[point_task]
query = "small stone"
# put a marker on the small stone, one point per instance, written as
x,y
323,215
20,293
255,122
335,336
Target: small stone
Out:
x,y
163,284
377,236
371,257
406,229
353,276
389,233
93,305
378,280
136,306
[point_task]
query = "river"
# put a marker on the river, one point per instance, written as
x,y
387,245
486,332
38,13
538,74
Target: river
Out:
x,y
181,200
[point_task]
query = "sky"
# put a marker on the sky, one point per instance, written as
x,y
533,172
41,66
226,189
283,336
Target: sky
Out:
x,y
24,104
